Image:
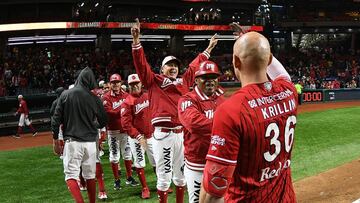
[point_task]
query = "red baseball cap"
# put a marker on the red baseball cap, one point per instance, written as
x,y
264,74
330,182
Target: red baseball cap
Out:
x,y
207,67
115,77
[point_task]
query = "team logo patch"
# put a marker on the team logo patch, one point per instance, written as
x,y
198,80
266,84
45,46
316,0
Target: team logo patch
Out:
x,y
217,140
268,86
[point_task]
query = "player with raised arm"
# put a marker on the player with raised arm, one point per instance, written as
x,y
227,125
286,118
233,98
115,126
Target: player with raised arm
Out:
x,y
165,90
249,156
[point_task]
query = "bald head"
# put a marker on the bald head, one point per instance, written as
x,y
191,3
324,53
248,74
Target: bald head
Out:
x,y
253,50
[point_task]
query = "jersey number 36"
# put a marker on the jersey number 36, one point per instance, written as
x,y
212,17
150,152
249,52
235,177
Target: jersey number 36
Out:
x,y
289,138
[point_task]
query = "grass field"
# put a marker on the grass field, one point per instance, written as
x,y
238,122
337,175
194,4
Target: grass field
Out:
x,y
323,140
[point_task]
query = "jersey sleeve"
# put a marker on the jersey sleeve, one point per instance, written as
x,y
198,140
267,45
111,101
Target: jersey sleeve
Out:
x,y
192,118
143,69
189,76
108,108
127,120
225,142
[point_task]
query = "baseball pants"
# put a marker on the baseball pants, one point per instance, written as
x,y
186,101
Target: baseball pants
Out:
x,y
169,158
79,154
193,183
118,143
139,152
24,120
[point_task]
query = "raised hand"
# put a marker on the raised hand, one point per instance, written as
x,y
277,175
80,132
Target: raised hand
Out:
x,y
212,43
135,31
238,30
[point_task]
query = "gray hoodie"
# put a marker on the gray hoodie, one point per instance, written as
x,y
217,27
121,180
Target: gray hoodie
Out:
x,y
79,110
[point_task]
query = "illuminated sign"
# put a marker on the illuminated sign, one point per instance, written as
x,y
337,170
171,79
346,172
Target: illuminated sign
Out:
x,y
312,96
118,25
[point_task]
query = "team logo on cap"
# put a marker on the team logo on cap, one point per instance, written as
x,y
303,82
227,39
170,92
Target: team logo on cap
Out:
x,y
210,66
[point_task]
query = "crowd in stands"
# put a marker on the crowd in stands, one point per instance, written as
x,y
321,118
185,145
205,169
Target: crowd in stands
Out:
x,y
324,68
37,69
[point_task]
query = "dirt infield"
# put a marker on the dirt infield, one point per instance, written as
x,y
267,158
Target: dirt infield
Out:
x,y
341,184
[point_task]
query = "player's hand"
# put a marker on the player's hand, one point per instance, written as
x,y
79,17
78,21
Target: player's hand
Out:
x,y
212,43
238,31
16,113
135,31
102,136
58,147
143,143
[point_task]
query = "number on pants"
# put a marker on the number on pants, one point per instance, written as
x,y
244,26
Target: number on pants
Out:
x,y
289,138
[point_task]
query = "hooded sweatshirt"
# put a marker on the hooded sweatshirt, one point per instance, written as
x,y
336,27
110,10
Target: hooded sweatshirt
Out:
x,y
79,110
58,92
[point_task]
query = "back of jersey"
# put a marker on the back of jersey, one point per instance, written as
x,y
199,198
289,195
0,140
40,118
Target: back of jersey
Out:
x,y
263,117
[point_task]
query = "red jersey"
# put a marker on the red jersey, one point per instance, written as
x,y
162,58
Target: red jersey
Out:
x,y
164,92
254,130
99,92
112,103
196,112
136,115
23,107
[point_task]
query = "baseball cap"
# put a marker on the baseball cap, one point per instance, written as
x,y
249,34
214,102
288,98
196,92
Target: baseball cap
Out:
x,y
133,78
20,96
207,67
115,77
101,83
170,58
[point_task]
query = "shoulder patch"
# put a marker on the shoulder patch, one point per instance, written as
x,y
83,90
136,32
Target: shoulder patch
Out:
x,y
185,104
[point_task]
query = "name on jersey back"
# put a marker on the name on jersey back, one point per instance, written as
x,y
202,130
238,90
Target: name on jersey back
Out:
x,y
274,105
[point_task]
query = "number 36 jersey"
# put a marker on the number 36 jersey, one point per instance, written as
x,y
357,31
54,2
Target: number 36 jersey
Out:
x,y
254,130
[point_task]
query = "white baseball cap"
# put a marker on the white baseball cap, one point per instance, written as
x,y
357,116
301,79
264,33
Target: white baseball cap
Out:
x,y
20,96
101,83
133,78
170,58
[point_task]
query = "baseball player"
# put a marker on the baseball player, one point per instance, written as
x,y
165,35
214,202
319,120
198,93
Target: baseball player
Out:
x,y
99,92
81,113
135,119
24,117
249,155
165,90
117,138
196,110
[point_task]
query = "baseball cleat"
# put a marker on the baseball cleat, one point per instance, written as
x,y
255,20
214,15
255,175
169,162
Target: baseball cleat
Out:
x,y
102,196
145,194
35,133
82,187
131,181
117,185
16,136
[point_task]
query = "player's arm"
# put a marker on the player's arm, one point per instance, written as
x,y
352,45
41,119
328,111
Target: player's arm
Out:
x,y
222,155
109,109
189,75
143,69
57,118
127,120
192,118
216,180
276,70
100,113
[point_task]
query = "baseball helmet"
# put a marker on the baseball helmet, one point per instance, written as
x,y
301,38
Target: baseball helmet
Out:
x,y
207,67
115,77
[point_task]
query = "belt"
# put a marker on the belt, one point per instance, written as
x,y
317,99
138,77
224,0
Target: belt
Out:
x,y
167,130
